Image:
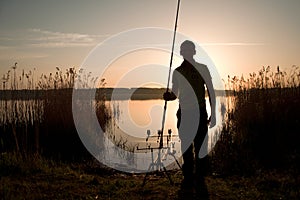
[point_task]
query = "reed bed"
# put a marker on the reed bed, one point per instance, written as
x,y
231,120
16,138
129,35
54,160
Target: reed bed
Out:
x,y
262,126
43,124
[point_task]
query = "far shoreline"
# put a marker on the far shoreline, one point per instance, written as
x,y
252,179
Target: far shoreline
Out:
x,y
98,93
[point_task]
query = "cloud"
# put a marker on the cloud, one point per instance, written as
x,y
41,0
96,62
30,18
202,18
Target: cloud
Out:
x,y
45,38
232,44
11,53
2,47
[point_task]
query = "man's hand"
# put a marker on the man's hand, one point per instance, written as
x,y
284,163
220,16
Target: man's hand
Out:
x,y
169,96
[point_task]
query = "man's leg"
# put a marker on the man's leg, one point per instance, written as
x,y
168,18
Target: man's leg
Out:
x,y
188,168
188,121
201,163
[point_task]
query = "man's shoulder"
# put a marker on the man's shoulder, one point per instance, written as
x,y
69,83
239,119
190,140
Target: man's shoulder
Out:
x,y
179,69
203,70
201,65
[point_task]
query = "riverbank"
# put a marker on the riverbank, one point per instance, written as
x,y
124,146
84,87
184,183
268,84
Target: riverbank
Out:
x,y
45,179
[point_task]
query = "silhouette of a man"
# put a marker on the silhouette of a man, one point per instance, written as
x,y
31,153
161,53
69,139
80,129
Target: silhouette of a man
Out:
x,y
188,85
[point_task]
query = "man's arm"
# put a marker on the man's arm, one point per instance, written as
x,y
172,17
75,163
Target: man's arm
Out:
x,y
170,96
212,100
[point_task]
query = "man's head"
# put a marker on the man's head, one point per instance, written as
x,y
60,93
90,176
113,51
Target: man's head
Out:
x,y
187,50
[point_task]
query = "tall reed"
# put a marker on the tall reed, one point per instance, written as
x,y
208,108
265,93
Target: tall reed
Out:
x,y
36,114
261,130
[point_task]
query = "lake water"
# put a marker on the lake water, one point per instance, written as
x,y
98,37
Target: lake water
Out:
x,y
132,119
125,145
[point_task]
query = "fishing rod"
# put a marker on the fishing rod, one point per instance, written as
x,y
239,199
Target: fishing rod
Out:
x,y
169,75
158,164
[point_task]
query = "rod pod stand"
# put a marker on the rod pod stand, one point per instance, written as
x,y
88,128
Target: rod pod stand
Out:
x,y
157,164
